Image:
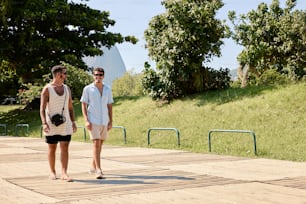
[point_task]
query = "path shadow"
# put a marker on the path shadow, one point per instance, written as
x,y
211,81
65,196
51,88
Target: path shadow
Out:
x,y
112,181
130,179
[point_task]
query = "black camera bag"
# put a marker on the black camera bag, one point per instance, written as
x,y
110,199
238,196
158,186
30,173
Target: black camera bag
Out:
x,y
58,119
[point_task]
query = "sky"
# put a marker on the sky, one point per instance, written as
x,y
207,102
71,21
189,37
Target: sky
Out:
x,y
132,18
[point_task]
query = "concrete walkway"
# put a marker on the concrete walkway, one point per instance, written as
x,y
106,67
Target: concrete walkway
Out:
x,y
145,175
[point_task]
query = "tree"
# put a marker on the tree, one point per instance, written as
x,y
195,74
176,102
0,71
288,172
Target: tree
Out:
x,y
273,38
181,40
37,34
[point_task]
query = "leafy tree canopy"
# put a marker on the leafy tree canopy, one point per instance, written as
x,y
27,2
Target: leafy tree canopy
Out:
x,y
37,34
187,34
272,37
180,41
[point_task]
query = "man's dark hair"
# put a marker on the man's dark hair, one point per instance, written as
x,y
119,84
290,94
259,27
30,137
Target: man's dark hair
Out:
x,y
57,69
98,69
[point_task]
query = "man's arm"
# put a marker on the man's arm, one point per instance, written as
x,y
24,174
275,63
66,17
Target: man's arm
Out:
x,y
84,111
71,111
70,107
85,115
44,99
110,116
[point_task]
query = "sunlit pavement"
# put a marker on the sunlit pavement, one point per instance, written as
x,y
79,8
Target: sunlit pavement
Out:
x,y
145,175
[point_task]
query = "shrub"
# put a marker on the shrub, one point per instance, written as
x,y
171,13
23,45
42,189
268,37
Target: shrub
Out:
x,y
168,85
128,85
160,85
272,77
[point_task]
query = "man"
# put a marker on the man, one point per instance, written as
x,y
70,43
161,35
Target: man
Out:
x,y
97,102
57,117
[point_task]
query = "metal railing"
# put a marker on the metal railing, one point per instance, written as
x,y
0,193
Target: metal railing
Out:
x,y
5,129
234,131
123,132
175,129
84,131
21,125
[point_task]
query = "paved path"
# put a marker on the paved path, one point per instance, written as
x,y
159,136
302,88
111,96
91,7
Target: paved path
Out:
x,y
146,175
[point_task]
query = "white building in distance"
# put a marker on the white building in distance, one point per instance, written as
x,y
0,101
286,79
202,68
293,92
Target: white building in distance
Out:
x,y
111,61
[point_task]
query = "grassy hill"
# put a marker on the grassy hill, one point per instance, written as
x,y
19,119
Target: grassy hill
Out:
x,y
277,115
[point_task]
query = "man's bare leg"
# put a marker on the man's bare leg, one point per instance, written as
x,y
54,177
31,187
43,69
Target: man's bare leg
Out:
x,y
64,160
97,147
51,159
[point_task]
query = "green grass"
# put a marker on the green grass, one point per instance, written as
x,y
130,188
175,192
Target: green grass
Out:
x,y
276,114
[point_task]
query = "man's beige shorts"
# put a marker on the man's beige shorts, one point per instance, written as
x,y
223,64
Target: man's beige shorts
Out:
x,y
98,132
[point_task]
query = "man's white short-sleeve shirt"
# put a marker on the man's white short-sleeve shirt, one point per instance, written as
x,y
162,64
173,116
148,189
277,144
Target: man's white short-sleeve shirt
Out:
x,y
96,104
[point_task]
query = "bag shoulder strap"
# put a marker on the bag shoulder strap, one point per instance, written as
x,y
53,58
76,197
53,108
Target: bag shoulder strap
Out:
x,y
64,100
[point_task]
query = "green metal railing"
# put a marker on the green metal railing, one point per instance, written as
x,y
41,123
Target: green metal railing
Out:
x,y
123,132
234,131
21,125
5,129
84,131
175,129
